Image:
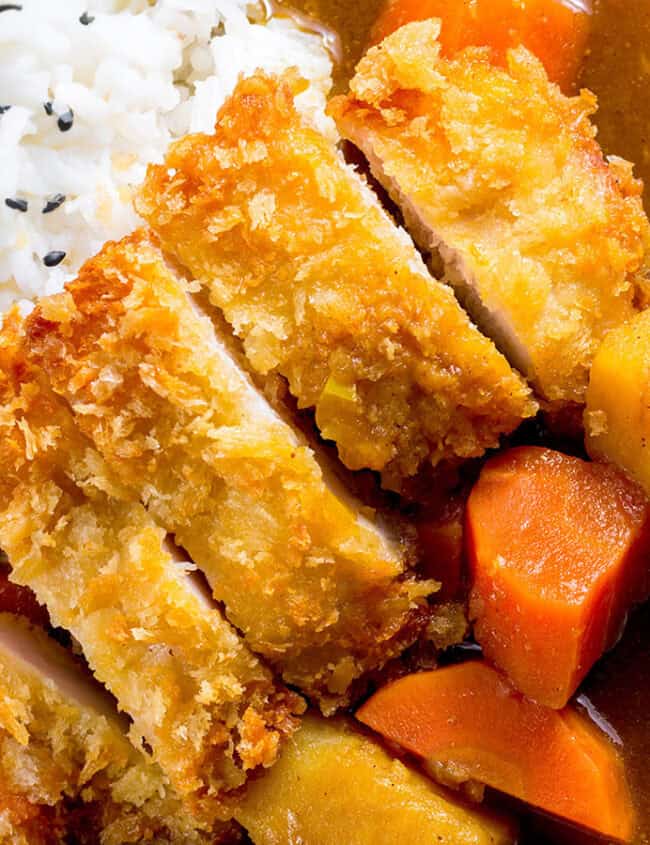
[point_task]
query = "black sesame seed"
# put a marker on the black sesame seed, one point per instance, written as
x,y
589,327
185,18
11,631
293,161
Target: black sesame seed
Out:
x,y
3,109
53,258
10,7
66,120
49,110
16,204
54,203
85,19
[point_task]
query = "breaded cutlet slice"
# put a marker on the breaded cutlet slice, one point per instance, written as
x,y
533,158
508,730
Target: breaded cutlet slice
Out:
x,y
544,240
207,708
324,289
64,752
338,786
314,583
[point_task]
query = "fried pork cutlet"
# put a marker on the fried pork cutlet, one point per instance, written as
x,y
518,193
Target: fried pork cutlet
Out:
x,y
314,584
64,753
324,289
544,240
200,699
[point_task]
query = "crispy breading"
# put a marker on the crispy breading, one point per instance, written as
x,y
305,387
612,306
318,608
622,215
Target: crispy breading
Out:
x,y
317,586
25,823
202,701
544,239
324,289
62,745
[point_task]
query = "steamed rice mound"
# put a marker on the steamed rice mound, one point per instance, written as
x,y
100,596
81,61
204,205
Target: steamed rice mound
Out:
x,y
94,97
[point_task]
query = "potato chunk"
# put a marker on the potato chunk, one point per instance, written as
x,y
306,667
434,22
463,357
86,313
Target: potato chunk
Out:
x,y
334,785
617,418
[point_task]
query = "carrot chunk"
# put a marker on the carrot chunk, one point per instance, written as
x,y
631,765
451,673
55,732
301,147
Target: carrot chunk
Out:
x,y
556,31
557,553
471,719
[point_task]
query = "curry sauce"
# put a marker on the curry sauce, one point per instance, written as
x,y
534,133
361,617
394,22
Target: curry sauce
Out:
x,y
617,69
350,21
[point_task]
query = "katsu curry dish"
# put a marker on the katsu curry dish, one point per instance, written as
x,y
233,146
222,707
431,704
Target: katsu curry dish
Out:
x,y
325,422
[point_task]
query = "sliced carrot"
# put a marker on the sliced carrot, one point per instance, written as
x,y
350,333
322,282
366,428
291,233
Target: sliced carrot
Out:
x,y
556,31
557,552
470,717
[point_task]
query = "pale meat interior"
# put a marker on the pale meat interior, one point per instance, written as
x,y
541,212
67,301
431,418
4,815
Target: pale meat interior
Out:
x,y
204,553
236,485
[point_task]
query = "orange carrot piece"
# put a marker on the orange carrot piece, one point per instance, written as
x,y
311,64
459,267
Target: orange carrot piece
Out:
x,y
556,31
471,717
557,552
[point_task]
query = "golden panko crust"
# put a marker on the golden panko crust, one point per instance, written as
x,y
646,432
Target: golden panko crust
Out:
x,y
313,584
101,566
544,238
324,289
61,757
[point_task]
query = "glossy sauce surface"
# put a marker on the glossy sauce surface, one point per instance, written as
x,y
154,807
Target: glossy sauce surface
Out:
x,y
351,20
617,69
618,688
616,695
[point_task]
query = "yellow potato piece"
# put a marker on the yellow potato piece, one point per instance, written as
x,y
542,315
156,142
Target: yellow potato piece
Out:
x,y
334,785
617,417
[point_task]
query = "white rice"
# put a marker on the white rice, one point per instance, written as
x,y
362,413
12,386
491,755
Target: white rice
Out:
x,y
137,76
